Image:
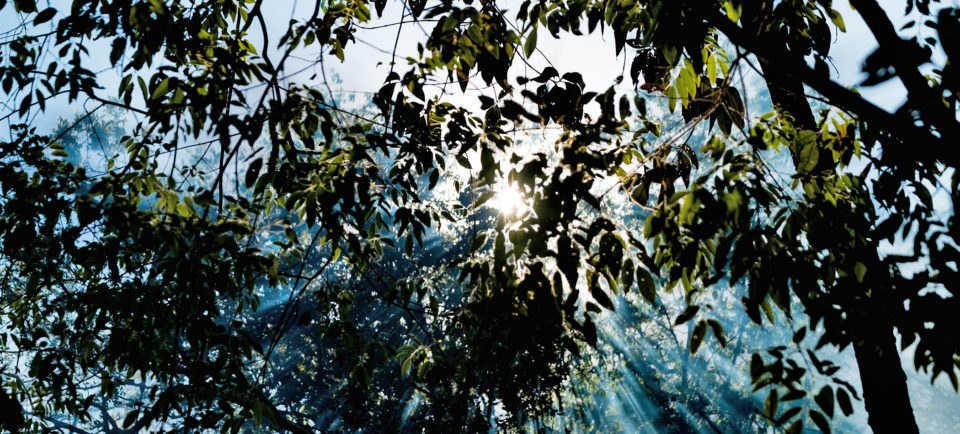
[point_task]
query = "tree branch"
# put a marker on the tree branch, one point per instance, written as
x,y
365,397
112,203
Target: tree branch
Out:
x,y
64,425
846,99
906,58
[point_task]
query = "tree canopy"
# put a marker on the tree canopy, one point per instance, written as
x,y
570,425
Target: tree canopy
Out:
x,y
211,244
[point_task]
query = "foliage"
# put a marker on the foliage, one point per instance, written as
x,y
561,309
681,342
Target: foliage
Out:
x,y
252,225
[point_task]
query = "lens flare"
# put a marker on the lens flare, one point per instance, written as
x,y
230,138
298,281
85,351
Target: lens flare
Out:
x,y
508,200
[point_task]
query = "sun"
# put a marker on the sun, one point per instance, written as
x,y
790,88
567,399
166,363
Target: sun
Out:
x,y
508,200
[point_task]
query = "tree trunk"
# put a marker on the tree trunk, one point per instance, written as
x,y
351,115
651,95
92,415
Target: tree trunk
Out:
x,y
787,92
884,382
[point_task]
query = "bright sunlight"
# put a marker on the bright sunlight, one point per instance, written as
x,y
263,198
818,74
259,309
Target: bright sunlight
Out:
x,y
508,200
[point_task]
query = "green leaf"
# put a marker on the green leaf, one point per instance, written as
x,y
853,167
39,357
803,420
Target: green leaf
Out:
x,y
463,161
843,400
670,55
116,51
789,414
799,335
624,107
25,104
601,296
757,367
626,275
362,12
687,314
712,68
130,418
860,270
257,413
478,242
733,12
641,194
253,171
809,152
592,307
143,87
484,197
718,331
768,310
161,89
772,404
837,20
923,195
589,332
25,6
646,285
796,427
824,399
44,16
696,338
793,395
184,210
531,43
821,421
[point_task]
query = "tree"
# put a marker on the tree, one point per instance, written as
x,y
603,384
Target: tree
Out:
x,y
136,290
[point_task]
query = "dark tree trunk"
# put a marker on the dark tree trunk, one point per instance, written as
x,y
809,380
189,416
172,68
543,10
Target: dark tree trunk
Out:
x,y
881,374
787,92
884,382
